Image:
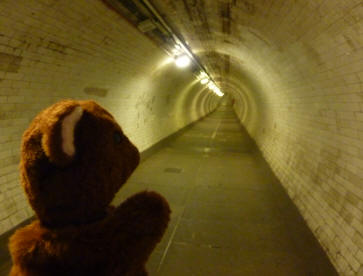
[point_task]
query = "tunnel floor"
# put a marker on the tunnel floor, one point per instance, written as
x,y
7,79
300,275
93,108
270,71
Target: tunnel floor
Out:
x,y
230,215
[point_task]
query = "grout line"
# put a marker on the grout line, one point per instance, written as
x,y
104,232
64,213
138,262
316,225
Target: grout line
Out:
x,y
177,223
216,130
169,243
184,207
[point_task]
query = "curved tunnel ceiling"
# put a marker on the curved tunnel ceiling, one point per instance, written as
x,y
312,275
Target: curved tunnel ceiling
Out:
x,y
267,38
263,45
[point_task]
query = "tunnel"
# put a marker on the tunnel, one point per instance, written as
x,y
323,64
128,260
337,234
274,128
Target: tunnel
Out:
x,y
291,76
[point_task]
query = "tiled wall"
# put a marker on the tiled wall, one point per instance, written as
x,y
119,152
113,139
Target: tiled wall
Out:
x,y
309,97
51,50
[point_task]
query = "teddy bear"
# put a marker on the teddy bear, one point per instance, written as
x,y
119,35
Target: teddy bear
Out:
x,y
74,158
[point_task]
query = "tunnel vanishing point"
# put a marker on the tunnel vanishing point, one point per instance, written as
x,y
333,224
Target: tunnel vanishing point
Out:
x,y
292,69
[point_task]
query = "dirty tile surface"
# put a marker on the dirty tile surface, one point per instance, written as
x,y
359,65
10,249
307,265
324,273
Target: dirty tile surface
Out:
x,y
230,215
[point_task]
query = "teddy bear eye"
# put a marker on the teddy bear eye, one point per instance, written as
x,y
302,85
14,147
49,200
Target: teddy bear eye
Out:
x,y
117,137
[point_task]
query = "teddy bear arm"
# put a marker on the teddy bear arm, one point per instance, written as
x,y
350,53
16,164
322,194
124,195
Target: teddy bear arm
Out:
x,y
144,213
137,225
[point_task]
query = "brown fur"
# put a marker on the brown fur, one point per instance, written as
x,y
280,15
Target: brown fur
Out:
x,y
77,231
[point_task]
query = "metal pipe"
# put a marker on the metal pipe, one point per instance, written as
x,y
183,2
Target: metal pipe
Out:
x,y
175,37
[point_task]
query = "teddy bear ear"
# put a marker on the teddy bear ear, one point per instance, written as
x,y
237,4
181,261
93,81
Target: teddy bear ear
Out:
x,y
58,140
68,126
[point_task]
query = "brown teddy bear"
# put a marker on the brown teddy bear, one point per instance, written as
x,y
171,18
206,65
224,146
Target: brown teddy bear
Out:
x,y
74,158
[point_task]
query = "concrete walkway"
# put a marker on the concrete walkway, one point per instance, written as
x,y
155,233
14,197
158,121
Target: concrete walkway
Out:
x,y
230,214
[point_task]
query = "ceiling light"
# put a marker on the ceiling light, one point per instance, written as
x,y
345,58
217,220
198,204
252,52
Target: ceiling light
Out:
x,y
203,75
176,51
204,81
182,61
219,92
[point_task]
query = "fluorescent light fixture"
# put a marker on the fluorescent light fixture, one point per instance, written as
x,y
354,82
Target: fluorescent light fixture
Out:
x,y
182,61
176,51
220,94
215,89
204,81
203,75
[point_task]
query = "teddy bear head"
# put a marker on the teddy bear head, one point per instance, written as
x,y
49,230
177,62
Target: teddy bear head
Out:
x,y
74,158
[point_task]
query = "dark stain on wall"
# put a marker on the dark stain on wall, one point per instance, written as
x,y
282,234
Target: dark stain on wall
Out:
x,y
188,10
350,43
260,37
248,7
227,64
313,53
10,63
100,92
57,47
107,40
225,12
196,11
